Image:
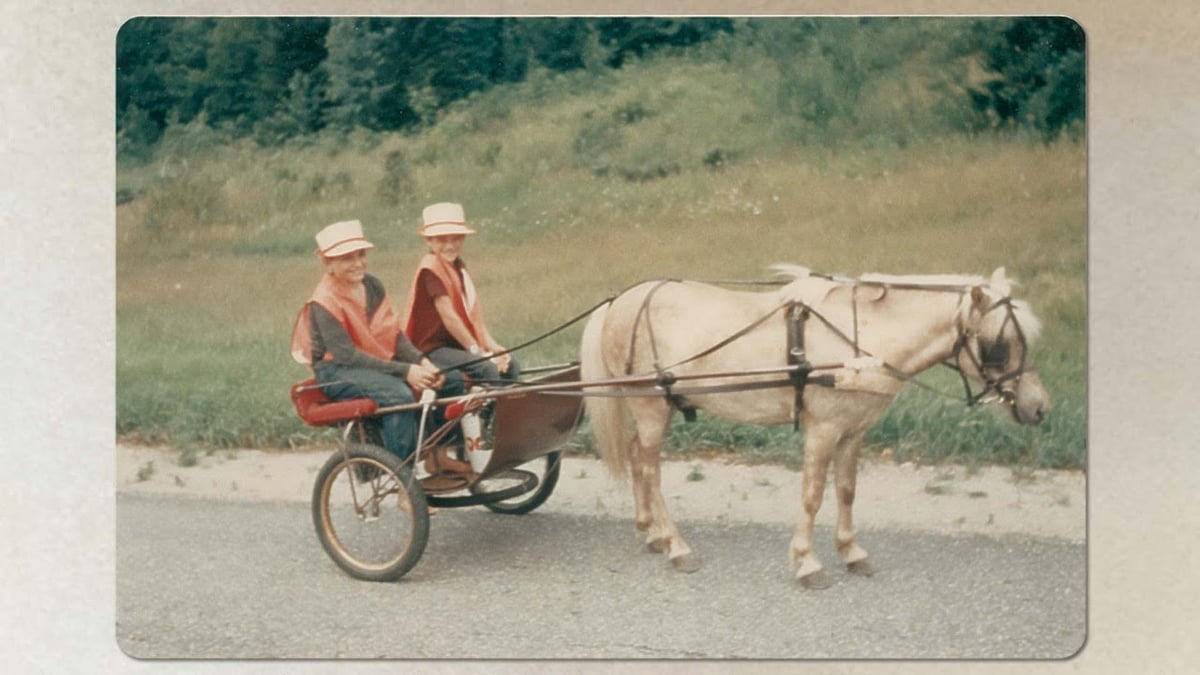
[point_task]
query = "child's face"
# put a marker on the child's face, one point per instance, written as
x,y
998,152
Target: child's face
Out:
x,y
447,247
348,269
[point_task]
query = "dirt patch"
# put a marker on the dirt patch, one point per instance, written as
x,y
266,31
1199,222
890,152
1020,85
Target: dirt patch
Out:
x,y
992,500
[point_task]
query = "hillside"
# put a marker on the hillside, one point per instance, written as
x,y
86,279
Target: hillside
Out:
x,y
580,184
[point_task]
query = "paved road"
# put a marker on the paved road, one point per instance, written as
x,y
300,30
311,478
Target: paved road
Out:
x,y
202,578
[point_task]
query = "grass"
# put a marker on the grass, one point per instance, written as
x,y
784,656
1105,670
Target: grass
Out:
x,y
214,249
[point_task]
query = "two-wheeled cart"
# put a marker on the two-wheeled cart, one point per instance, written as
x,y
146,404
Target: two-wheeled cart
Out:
x,y
371,508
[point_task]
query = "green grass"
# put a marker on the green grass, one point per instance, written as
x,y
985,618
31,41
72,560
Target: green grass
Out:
x,y
214,251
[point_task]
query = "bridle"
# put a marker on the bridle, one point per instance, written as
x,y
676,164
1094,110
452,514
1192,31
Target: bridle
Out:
x,y
989,356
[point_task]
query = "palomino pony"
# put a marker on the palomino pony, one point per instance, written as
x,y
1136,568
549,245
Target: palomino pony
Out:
x,y
856,340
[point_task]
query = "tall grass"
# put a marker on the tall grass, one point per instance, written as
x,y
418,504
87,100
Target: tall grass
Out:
x,y
581,185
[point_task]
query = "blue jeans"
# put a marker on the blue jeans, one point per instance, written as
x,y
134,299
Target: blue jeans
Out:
x,y
398,429
484,372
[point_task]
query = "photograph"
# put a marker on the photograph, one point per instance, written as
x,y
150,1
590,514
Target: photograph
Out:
x,y
643,338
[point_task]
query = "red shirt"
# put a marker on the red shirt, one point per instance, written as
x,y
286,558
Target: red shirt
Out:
x,y
422,322
436,334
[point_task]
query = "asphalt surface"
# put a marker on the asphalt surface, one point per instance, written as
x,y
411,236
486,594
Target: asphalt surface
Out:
x,y
201,578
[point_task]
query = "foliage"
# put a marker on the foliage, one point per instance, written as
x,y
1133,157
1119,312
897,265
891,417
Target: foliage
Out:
x,y
1039,65
283,79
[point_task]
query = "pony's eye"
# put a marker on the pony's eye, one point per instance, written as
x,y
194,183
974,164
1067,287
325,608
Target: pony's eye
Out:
x,y
994,354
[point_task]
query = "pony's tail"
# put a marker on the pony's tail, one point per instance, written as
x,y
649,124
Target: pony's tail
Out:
x,y
609,425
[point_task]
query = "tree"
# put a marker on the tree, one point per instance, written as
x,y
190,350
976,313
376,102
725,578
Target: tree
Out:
x,y
365,87
160,76
641,36
1040,63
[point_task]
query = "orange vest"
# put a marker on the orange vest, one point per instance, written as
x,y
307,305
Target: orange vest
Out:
x,y
376,336
421,319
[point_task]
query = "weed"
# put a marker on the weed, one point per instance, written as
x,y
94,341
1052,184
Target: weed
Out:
x,y
145,472
397,182
1023,473
190,456
695,473
937,489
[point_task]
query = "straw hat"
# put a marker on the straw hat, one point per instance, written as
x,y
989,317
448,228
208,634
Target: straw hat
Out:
x,y
442,219
341,238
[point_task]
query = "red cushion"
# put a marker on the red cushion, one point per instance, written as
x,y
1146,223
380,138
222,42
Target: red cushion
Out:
x,y
315,408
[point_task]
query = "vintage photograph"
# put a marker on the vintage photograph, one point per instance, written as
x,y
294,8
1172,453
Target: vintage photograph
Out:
x,y
606,337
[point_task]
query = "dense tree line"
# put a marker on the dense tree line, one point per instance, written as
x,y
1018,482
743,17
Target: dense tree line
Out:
x,y
277,78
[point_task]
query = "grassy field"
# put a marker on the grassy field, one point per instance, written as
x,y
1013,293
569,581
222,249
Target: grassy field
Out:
x,y
579,188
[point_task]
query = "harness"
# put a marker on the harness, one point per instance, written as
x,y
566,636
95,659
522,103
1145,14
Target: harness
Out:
x,y
990,356
800,369
797,314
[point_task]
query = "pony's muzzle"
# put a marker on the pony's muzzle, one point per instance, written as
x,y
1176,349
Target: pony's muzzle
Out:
x,y
1030,402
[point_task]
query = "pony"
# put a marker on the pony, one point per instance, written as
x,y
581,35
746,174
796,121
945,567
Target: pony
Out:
x,y
827,352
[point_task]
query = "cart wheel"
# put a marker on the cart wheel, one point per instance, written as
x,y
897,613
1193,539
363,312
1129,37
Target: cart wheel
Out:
x,y
546,469
370,514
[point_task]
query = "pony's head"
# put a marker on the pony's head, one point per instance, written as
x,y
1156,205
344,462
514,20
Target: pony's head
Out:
x,y
996,334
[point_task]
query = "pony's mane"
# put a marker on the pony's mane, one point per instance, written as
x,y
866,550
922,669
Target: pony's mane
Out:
x,y
924,279
953,280
790,271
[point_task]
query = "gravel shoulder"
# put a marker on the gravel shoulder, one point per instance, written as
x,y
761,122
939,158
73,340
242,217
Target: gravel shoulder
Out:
x,y
948,499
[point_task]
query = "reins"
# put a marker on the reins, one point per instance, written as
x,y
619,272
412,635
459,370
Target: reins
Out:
x,y
557,329
798,371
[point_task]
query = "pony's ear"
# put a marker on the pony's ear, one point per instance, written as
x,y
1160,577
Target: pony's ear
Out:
x,y
1000,282
970,311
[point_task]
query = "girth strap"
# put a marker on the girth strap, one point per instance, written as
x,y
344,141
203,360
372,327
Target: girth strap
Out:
x,y
797,314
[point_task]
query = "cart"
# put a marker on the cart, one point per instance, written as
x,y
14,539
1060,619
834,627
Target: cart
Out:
x,y
370,508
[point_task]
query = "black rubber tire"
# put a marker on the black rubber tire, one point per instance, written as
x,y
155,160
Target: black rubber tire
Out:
x,y
546,468
370,515
505,484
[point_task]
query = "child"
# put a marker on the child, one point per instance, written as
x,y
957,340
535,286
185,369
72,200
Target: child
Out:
x,y
443,317
351,337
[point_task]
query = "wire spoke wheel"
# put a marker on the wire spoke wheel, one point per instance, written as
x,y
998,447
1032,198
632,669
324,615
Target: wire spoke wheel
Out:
x,y
370,514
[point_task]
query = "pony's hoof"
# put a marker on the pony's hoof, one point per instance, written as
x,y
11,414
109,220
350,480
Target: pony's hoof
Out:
x,y
816,580
686,563
862,568
656,546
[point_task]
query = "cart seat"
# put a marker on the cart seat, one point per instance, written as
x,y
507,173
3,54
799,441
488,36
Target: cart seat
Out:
x,y
317,410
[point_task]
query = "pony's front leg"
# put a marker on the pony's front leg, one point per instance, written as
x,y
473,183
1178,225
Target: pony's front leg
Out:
x,y
846,477
818,445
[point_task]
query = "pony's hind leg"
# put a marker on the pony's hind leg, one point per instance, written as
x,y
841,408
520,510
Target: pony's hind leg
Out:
x,y
846,477
652,520
819,443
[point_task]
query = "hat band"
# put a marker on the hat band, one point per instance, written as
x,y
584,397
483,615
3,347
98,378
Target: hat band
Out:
x,y
444,228
339,243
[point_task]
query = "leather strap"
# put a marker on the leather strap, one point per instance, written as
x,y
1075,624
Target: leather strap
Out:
x,y
797,314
